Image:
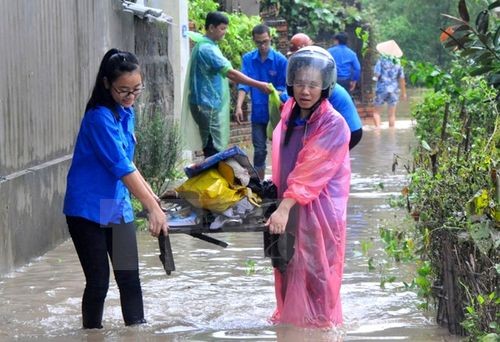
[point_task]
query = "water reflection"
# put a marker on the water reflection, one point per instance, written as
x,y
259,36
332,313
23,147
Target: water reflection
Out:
x,y
227,294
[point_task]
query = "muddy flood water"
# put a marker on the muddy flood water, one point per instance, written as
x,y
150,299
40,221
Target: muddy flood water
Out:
x,y
219,294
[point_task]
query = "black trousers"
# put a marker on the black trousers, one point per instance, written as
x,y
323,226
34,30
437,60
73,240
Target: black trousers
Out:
x,y
209,149
355,137
346,83
94,243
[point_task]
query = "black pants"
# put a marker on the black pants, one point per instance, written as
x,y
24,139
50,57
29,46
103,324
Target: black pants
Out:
x,y
346,83
94,243
355,137
209,149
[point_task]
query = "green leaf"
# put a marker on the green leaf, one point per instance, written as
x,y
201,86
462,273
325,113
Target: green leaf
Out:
x,y
424,270
494,5
462,9
478,203
496,38
459,28
422,282
426,146
481,235
371,267
492,337
366,246
482,21
385,280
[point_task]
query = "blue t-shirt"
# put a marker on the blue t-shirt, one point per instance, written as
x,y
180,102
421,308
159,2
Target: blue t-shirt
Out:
x,y
103,154
346,60
271,70
208,68
342,102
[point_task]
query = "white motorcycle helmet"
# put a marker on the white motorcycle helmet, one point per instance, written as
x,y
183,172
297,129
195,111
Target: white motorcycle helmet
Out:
x,y
317,58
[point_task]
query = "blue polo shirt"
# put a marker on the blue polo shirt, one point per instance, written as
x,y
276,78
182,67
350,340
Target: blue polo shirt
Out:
x,y
348,67
271,70
103,154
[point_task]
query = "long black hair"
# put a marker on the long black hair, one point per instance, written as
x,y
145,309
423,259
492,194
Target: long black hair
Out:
x,y
114,64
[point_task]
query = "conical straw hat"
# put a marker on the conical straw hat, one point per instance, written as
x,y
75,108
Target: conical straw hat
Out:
x,y
390,48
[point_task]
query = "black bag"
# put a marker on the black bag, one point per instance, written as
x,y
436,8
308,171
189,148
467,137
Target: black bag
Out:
x,y
280,248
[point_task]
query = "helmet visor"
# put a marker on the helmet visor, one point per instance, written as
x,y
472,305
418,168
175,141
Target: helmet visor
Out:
x,y
312,69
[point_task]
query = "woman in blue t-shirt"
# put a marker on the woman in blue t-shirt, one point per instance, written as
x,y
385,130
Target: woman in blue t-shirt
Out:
x,y
101,177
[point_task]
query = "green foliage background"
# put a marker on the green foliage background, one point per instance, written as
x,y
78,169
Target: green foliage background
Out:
x,y
313,17
238,39
454,187
415,25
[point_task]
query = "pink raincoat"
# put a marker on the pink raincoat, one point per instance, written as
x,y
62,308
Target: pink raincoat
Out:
x,y
308,293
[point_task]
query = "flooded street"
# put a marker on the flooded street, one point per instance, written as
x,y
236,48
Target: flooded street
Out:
x,y
227,294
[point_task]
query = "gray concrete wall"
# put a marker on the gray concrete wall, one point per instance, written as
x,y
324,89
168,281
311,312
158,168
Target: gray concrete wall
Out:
x,y
156,68
50,54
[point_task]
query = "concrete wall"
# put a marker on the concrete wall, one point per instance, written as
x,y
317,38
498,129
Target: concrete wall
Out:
x,y
156,68
179,42
50,54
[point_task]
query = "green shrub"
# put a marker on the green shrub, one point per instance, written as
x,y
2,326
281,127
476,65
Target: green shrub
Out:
x,y
238,38
454,185
158,148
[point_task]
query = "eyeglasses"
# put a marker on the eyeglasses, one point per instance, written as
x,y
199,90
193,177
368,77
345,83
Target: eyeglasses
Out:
x,y
310,85
127,93
262,42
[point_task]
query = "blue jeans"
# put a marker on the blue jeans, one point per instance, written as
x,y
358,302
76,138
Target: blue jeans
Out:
x,y
93,244
259,141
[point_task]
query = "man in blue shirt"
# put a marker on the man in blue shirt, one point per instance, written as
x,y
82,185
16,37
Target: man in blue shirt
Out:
x,y
267,65
348,67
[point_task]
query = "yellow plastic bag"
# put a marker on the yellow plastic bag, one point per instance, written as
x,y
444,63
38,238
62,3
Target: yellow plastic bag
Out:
x,y
209,190
274,111
227,171
235,174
